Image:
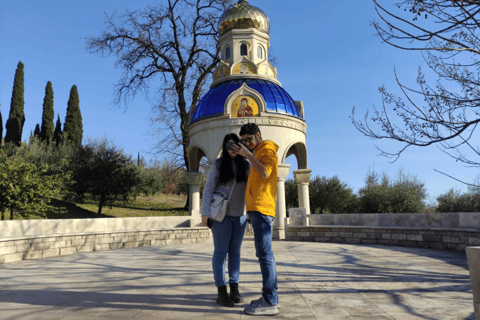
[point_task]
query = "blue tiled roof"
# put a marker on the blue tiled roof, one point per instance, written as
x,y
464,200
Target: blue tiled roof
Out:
x,y
213,102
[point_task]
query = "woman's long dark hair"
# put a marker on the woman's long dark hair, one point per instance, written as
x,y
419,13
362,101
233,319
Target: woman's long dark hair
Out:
x,y
226,168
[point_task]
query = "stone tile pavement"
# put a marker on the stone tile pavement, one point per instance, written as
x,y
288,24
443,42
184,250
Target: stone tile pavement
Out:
x,y
316,281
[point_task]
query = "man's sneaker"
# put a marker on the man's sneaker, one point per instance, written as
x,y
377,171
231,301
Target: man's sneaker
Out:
x,y
261,300
261,309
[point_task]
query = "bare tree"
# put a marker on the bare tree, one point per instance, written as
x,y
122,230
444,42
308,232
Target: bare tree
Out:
x,y
446,113
172,48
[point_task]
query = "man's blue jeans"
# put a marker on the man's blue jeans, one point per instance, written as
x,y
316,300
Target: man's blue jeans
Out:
x,y
227,239
262,226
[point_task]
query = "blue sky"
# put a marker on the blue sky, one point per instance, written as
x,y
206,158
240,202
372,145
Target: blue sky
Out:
x,y
328,57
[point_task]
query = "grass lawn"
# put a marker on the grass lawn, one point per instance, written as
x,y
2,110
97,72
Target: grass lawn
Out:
x,y
158,205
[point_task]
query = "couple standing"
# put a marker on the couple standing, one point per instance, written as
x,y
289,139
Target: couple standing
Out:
x,y
254,183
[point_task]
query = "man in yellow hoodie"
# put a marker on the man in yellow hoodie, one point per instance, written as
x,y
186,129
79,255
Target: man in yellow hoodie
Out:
x,y
261,202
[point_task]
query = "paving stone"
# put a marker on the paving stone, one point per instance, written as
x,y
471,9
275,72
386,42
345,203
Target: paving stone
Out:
x,y
50,252
7,250
33,255
116,245
58,244
85,248
12,257
66,251
23,247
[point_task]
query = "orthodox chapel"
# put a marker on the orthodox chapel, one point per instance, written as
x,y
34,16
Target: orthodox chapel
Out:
x,y
245,89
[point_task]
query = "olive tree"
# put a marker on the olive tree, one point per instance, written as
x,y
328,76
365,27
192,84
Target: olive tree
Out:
x,y
405,194
25,188
103,171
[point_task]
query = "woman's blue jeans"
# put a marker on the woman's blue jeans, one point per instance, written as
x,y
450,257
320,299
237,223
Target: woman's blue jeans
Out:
x,y
227,239
262,226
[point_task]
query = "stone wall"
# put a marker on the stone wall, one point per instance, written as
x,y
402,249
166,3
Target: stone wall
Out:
x,y
435,238
36,247
43,227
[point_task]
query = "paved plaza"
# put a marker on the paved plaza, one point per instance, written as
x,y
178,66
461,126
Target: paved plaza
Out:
x,y
316,281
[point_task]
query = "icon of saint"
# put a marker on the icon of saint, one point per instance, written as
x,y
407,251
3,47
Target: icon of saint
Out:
x,y
243,69
245,110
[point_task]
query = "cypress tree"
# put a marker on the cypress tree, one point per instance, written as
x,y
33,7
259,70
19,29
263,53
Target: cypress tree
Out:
x,y
30,139
48,116
1,128
57,134
16,119
36,132
73,127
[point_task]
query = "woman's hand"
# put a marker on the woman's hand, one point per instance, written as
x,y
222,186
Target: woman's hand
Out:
x,y
204,220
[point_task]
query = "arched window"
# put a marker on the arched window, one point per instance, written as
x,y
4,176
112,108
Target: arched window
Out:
x,y
227,53
260,52
243,49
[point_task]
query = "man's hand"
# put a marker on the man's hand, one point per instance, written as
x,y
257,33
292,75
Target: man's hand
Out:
x,y
242,150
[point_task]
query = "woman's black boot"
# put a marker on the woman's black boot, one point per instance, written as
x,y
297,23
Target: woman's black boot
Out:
x,y
223,299
235,294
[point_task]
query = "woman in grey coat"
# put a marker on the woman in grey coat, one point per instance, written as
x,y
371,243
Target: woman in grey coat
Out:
x,y
228,234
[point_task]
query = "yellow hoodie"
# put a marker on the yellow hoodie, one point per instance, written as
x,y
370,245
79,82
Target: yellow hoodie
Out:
x,y
262,193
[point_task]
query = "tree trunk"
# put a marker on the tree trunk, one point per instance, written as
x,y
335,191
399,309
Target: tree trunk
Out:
x,y
186,142
3,214
11,213
101,203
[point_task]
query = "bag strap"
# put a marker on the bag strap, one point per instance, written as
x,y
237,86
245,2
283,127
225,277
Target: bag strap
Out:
x,y
231,190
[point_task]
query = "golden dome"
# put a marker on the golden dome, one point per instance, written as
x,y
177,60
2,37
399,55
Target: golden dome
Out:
x,y
242,16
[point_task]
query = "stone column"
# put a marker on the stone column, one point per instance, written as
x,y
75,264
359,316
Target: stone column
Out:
x,y
281,212
302,178
194,179
206,169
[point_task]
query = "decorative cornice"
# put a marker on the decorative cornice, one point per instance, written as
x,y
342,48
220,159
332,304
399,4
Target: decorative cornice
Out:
x,y
242,33
265,119
244,76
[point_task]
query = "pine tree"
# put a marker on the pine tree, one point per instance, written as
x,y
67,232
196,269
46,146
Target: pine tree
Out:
x,y
36,132
57,134
48,116
73,127
16,119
